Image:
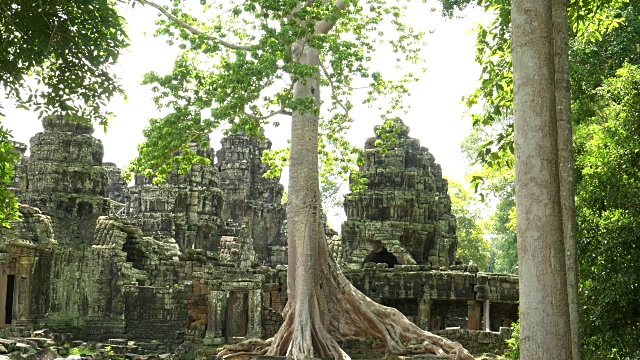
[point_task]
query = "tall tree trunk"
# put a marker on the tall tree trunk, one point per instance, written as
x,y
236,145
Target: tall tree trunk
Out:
x,y
566,164
323,307
544,307
307,307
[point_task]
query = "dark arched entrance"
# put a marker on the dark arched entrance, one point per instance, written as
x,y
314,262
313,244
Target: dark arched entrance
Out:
x,y
382,257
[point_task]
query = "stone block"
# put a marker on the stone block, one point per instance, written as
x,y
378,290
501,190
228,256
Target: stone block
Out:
x,y
119,342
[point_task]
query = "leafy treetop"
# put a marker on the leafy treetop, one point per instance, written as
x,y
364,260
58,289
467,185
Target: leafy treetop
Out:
x,y
236,67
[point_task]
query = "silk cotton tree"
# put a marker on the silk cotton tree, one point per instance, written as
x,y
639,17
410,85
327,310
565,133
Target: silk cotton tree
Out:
x,y
244,63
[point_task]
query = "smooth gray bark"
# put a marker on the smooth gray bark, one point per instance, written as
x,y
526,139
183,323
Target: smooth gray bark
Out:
x,y
544,307
566,164
303,214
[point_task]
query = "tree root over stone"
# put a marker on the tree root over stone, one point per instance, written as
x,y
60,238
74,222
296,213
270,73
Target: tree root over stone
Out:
x,y
323,307
343,314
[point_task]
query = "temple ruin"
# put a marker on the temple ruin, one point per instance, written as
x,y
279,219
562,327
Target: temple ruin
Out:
x,y
202,257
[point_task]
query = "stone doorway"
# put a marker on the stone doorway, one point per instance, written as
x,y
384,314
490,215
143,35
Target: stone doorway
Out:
x,y
382,257
10,287
135,253
237,315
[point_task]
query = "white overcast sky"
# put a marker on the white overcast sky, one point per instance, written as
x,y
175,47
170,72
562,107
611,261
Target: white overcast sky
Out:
x,y
436,116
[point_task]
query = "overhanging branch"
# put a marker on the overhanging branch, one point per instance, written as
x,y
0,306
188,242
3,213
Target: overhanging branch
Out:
x,y
192,29
334,95
265,117
323,27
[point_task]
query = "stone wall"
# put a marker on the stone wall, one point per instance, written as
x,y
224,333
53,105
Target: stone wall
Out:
x,y
78,291
435,300
156,312
479,342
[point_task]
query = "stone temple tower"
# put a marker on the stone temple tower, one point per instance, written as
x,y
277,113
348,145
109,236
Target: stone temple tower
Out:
x,y
65,179
252,199
404,216
186,207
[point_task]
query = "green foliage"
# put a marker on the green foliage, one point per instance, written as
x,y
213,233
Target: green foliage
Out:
x,y
595,61
8,158
485,146
68,48
81,350
472,245
504,245
513,343
236,69
494,183
608,207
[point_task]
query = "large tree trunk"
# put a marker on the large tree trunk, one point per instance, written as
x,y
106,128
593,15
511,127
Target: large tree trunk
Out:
x,y
566,164
323,306
544,307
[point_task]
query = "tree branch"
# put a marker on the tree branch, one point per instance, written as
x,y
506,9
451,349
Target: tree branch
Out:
x,y
257,118
191,29
333,90
323,27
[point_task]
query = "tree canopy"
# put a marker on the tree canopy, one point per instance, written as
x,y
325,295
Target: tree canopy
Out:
x,y
235,66
58,56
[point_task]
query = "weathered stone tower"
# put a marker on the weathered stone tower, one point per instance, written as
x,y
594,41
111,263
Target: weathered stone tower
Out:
x,y
20,167
186,207
404,216
249,195
65,179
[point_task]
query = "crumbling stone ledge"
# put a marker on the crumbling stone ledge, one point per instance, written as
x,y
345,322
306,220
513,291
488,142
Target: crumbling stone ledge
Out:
x,y
479,342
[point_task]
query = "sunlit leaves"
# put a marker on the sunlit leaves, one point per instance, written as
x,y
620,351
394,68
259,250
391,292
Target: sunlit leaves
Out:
x,y
472,245
590,19
8,158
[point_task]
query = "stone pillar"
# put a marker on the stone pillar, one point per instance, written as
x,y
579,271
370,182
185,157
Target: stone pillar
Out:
x,y
22,299
487,316
474,314
217,311
424,314
22,287
254,326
